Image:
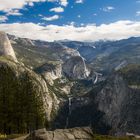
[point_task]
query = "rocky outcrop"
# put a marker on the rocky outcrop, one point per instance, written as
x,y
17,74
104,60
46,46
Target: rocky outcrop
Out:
x,y
8,60
111,107
68,60
62,52
76,68
5,46
62,134
50,71
23,92
120,105
111,98
21,95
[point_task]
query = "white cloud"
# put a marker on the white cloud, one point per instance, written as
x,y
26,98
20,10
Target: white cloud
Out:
x,y
82,24
64,2
108,9
31,4
79,1
8,5
14,12
61,2
3,19
55,17
57,9
79,16
138,13
72,23
113,31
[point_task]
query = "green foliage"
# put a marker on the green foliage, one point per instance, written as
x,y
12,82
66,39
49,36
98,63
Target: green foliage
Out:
x,y
9,137
131,74
31,55
21,106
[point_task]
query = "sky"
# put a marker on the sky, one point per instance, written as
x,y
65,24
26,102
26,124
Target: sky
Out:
x,y
80,20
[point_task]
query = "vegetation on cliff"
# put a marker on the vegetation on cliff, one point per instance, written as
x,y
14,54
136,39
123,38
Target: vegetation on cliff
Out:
x,y
21,105
131,74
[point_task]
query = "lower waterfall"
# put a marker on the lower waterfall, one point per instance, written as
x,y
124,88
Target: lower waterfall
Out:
x,y
69,111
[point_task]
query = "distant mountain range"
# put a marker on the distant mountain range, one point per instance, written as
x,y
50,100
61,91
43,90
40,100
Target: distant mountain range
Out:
x,y
102,55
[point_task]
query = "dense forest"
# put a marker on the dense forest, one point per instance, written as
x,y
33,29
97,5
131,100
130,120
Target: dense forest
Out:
x,y
21,106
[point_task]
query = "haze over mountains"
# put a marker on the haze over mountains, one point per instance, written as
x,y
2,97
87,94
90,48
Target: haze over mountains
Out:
x,y
107,54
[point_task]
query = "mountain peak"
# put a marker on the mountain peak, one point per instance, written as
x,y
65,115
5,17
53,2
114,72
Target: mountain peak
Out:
x,y
6,48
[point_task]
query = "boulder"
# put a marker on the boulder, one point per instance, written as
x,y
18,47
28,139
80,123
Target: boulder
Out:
x,y
84,133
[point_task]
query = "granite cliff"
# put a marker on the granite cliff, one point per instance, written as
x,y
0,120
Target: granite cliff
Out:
x,y
5,46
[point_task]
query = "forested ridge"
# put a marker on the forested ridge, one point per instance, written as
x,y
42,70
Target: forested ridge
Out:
x,y
21,105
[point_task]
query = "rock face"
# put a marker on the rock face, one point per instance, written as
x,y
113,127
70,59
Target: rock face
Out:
x,y
50,71
62,134
25,96
111,107
76,68
62,52
120,103
43,52
5,46
73,67
111,98
50,101
21,96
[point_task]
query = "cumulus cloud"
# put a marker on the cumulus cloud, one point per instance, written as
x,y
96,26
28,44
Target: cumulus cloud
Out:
x,y
8,5
108,9
64,2
3,19
57,9
55,17
113,31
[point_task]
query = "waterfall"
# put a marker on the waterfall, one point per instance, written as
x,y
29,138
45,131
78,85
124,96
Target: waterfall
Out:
x,y
69,111
85,68
96,79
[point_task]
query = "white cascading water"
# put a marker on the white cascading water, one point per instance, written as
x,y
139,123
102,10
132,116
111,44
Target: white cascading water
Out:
x,y
69,111
85,68
96,79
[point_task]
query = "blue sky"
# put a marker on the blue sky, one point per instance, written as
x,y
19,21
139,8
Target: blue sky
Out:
x,y
86,11
68,13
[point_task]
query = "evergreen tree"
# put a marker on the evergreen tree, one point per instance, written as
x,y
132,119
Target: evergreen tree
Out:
x,y
21,105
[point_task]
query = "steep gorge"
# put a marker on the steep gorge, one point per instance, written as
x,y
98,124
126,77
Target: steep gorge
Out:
x,y
65,93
